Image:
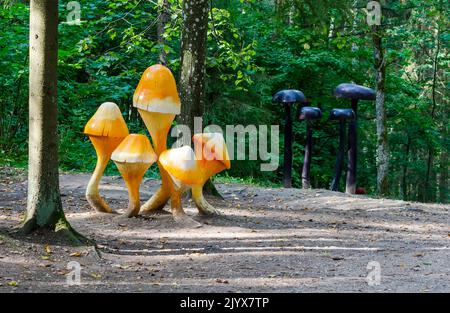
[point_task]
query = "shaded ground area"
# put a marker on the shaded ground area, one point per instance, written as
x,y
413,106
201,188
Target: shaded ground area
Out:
x,y
269,240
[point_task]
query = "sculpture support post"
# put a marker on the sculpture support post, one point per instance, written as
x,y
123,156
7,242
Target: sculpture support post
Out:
x,y
287,98
287,170
350,185
340,157
307,160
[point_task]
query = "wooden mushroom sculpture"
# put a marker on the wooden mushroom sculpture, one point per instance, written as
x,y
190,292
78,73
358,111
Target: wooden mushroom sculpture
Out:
x,y
288,98
157,101
341,115
106,130
355,93
133,157
308,114
191,170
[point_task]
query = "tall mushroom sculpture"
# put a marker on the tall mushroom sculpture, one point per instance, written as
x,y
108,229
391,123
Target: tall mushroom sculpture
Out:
x,y
308,114
191,170
288,98
156,98
106,129
341,115
133,157
355,93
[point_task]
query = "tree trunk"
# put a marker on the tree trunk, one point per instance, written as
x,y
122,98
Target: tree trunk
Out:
x,y
382,139
443,177
405,169
193,67
426,187
163,19
44,207
427,191
193,60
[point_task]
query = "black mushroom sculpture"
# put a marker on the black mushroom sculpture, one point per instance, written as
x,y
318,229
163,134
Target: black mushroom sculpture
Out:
x,y
355,93
308,114
288,98
341,115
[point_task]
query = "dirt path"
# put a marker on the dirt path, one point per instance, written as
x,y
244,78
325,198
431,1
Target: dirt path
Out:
x,y
269,240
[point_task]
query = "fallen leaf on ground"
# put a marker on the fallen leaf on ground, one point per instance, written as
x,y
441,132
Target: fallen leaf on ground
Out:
x,y
12,283
76,254
96,275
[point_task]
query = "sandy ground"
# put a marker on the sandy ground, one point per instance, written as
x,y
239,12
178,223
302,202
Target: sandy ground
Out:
x,y
268,240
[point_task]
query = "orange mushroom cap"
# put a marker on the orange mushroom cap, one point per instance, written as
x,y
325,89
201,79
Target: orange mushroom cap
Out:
x,y
181,164
213,147
135,148
107,122
157,91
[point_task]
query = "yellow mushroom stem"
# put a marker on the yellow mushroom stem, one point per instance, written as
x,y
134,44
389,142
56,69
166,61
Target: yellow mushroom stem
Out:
x,y
202,205
104,146
180,217
133,173
158,124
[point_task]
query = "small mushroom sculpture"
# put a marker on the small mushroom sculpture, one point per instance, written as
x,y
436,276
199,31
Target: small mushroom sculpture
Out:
x,y
156,98
355,93
191,170
133,157
341,115
106,130
288,98
309,114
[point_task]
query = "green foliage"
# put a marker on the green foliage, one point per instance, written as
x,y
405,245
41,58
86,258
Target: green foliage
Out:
x,y
255,48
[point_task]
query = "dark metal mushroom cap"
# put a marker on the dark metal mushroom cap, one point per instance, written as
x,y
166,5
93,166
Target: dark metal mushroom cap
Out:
x,y
289,96
353,91
310,113
342,114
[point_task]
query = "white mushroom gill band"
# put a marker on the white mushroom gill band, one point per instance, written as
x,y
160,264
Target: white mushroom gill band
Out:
x,y
244,143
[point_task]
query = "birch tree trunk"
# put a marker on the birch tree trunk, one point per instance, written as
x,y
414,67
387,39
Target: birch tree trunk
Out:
x,y
382,139
44,207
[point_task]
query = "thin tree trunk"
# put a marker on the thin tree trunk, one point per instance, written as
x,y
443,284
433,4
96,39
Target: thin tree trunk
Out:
x,y
443,177
163,19
427,191
382,139
44,208
426,188
193,60
405,169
